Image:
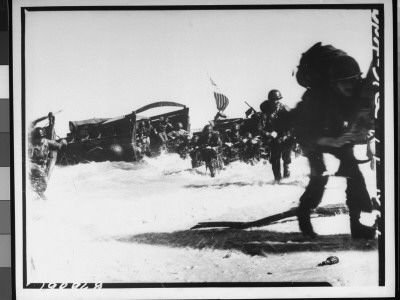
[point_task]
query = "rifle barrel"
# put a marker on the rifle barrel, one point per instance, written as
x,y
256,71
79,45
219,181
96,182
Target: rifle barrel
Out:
x,y
250,106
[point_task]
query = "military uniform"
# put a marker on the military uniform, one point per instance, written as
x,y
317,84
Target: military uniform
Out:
x,y
321,119
211,139
277,120
39,157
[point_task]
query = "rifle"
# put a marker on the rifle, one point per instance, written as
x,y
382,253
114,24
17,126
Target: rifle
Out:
x,y
250,110
50,117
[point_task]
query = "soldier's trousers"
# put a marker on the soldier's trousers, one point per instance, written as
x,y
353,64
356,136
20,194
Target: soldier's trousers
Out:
x,y
357,196
280,151
38,178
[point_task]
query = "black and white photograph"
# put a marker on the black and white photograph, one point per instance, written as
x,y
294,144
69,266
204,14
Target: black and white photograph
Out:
x,y
216,149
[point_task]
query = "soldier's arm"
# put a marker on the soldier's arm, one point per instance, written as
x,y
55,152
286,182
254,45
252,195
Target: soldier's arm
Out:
x,y
39,120
33,124
53,145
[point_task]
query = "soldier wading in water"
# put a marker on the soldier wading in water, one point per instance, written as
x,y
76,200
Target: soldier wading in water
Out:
x,y
328,107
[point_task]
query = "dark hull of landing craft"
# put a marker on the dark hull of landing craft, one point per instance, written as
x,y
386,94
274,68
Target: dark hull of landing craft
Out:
x,y
98,140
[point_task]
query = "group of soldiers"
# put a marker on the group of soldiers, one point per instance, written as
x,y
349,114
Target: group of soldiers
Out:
x,y
164,135
265,135
335,113
335,105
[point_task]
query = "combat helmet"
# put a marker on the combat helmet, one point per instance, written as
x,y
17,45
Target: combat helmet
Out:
x,y
274,95
267,106
314,65
344,68
207,129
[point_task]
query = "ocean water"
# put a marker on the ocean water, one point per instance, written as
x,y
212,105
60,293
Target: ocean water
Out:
x,y
75,235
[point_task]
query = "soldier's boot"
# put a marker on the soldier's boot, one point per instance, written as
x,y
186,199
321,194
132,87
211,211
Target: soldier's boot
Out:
x,y
304,218
358,230
286,172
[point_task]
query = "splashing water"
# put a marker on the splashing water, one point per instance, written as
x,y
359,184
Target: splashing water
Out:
x,y
94,204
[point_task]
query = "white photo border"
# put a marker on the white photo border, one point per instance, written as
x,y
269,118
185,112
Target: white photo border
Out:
x,y
385,174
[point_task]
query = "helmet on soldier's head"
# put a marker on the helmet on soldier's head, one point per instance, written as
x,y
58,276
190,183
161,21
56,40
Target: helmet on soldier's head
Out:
x,y
274,95
39,133
343,68
179,125
207,129
235,127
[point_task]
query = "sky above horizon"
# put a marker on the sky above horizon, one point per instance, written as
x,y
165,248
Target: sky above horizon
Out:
x,y
109,63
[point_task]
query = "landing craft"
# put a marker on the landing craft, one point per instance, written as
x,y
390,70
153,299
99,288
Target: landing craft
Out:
x,y
115,139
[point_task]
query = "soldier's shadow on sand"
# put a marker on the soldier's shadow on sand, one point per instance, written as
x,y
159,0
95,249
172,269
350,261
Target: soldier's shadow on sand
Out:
x,y
251,242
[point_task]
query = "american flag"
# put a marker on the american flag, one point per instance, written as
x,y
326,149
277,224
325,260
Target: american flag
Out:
x,y
220,99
